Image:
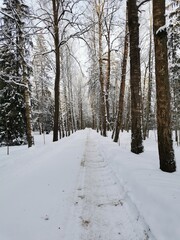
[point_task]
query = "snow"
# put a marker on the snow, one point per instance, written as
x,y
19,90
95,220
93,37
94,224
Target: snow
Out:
x,y
161,29
87,187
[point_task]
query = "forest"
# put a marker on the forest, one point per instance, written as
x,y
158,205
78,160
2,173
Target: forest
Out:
x,y
89,119
100,64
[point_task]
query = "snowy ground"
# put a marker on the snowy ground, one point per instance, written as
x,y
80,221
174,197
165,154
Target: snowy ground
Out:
x,y
85,187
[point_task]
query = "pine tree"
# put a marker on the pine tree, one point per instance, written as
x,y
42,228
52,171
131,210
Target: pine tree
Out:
x,y
15,71
174,62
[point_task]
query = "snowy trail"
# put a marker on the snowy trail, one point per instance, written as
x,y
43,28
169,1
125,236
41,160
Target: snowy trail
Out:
x,y
85,187
102,209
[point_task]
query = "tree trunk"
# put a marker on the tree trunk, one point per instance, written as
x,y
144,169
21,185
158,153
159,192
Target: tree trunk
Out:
x,y
108,72
144,102
57,73
127,120
122,87
28,113
101,77
148,110
27,99
165,144
135,78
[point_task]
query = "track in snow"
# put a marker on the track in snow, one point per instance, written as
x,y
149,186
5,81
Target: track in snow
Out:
x,y
102,208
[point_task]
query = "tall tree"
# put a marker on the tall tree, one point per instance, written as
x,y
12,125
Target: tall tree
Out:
x,y
147,107
104,21
122,87
99,5
42,101
15,68
174,62
165,144
93,83
22,40
60,18
109,12
56,10
135,78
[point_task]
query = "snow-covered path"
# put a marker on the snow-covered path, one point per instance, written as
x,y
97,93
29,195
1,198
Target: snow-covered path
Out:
x,y
102,209
85,187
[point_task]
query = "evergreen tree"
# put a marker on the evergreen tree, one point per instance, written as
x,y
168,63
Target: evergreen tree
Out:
x,y
174,62
14,72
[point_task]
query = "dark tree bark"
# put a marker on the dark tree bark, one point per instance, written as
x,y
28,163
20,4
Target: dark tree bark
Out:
x,y
122,87
135,78
165,144
57,74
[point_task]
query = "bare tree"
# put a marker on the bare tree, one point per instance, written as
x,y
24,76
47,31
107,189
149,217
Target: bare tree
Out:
x,y
61,21
122,87
101,42
42,101
109,12
99,5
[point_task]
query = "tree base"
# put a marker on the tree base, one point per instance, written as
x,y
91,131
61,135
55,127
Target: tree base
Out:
x,y
137,150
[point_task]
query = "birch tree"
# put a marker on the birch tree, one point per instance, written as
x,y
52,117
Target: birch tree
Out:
x,y
61,21
42,101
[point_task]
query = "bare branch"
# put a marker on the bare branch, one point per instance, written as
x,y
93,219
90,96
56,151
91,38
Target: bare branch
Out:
x,y
143,2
